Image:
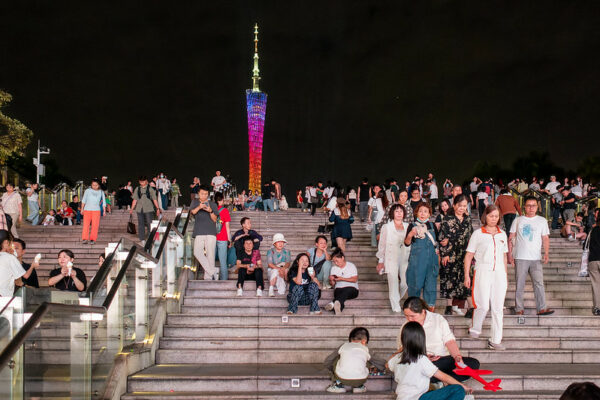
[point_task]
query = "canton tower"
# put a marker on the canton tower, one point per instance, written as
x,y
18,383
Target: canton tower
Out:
x,y
256,105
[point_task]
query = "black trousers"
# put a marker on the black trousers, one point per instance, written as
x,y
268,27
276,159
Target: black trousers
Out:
x,y
313,208
256,275
144,221
446,365
343,294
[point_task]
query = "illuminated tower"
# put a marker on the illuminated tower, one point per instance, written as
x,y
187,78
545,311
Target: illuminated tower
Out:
x,y
256,104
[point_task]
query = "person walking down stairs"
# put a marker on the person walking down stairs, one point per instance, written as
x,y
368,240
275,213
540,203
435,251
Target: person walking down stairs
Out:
x,y
92,203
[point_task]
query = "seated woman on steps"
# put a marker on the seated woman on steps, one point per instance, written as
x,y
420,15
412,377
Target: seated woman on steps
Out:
x,y
304,286
249,266
344,278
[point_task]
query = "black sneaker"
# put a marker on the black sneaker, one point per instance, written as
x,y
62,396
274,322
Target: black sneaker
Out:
x,y
596,311
469,313
448,310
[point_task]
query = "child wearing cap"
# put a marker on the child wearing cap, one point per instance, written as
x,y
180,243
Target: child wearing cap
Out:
x,y
278,260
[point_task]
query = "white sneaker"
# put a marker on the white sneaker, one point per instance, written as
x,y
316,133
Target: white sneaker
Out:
x,y
337,307
240,292
271,291
258,293
329,307
457,311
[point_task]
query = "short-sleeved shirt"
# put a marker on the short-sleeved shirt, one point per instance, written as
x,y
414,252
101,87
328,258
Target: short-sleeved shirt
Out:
x,y
489,249
10,270
306,279
551,187
246,258
528,244
32,195
571,205
278,257
93,199
66,283
224,217
413,379
33,278
437,334
203,223
144,204
218,181
348,271
11,202
353,361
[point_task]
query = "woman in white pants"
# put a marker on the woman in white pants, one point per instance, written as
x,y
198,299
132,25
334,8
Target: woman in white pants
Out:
x,y
489,246
393,255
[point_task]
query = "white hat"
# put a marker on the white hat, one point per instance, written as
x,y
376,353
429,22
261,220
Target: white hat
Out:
x,y
278,237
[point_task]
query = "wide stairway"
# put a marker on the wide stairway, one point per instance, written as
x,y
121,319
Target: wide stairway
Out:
x,y
225,347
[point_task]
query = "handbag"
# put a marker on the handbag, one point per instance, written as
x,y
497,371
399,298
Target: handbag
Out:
x,y
131,226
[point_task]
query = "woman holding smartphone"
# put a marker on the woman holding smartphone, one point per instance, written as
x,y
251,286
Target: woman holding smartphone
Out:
x,y
304,286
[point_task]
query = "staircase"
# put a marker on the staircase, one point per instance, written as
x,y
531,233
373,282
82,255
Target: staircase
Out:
x,y
224,347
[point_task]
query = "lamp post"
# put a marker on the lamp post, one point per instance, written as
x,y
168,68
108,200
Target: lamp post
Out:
x,y
40,170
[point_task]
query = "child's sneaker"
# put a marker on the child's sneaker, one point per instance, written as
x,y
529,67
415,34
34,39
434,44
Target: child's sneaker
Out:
x,y
360,389
336,387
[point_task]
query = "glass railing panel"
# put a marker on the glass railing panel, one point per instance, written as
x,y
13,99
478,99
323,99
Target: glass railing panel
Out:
x,y
58,357
12,319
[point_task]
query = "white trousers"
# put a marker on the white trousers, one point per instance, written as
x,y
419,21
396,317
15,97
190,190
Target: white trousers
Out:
x,y
396,277
280,284
489,291
204,251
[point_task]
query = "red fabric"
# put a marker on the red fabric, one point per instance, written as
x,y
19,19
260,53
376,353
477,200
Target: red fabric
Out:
x,y
225,217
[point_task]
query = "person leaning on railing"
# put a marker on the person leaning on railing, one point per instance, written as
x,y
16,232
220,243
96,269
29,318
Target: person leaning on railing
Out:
x,y
66,276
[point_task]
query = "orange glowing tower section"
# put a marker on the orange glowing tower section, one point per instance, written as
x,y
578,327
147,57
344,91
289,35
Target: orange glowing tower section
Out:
x,y
256,104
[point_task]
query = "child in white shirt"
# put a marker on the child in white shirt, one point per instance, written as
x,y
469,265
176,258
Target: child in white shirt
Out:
x,y
50,218
413,370
351,367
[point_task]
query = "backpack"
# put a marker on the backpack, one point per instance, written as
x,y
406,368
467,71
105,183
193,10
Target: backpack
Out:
x,y
139,193
219,221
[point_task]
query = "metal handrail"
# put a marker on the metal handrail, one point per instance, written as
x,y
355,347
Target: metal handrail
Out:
x,y
36,317
17,341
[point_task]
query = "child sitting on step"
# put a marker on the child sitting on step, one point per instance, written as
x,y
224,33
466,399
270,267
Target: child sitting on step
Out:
x,y
413,370
348,365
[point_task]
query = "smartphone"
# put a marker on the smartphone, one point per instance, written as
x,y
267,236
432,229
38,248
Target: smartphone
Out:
x,y
311,271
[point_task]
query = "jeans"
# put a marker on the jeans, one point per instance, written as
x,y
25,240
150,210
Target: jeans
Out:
x,y
231,256
78,217
144,221
164,201
451,392
508,220
555,217
446,365
268,203
34,212
323,275
251,205
222,254
304,295
423,270
208,244
363,209
343,294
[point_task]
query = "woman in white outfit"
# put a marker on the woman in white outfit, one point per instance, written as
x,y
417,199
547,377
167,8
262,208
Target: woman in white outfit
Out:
x,y
393,255
489,247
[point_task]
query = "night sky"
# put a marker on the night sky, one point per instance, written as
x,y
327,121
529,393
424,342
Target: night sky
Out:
x,y
355,87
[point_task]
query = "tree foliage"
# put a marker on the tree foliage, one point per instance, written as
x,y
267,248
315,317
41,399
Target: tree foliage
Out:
x,y
589,168
14,135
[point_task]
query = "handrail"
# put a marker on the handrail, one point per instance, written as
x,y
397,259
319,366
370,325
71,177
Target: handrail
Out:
x,y
113,289
15,344
102,272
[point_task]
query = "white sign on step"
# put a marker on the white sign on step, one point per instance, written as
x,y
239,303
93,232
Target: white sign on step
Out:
x,y
295,382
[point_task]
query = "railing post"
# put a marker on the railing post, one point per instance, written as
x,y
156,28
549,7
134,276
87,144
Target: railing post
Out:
x,y
81,360
141,304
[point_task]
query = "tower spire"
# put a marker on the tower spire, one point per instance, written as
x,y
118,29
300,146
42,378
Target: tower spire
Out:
x,y
255,70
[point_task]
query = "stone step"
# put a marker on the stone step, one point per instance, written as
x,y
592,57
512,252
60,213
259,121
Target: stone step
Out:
x,y
252,377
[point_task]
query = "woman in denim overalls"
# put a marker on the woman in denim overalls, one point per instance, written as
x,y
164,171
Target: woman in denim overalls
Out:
x,y
423,262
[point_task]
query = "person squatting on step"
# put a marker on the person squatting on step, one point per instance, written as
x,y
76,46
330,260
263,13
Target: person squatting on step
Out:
x,y
527,236
278,261
321,260
344,279
393,254
423,262
441,345
304,286
237,240
249,266
348,365
489,247
413,369
205,231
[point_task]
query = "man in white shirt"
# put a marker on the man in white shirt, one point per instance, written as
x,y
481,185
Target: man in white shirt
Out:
x,y
433,194
217,182
529,232
442,349
11,269
163,185
551,187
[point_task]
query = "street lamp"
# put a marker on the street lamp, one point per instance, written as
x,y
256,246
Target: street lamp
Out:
x,y
40,170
